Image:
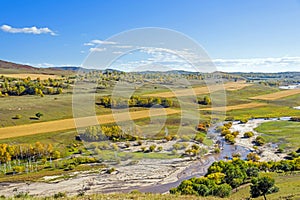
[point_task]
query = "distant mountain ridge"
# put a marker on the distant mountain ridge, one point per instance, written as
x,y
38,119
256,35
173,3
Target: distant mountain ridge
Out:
x,y
7,67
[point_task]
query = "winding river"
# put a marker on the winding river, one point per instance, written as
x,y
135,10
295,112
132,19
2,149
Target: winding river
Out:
x,y
194,168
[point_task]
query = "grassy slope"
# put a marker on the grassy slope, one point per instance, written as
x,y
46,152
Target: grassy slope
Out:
x,y
288,187
284,132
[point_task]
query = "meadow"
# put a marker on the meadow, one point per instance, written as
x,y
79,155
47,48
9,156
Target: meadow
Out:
x,y
284,133
56,126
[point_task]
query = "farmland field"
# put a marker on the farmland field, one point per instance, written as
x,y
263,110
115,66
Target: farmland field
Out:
x,y
32,76
201,90
236,107
66,124
277,95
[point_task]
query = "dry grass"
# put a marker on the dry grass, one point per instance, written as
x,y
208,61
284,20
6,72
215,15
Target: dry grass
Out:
x,y
32,76
66,124
236,107
277,95
201,90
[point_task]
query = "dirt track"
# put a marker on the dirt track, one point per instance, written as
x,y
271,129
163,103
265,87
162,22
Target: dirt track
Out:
x,y
66,124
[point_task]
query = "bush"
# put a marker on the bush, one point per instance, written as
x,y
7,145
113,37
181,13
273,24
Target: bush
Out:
x,y
217,150
168,138
199,138
243,121
18,116
223,190
260,141
248,134
111,170
229,138
152,148
19,169
60,195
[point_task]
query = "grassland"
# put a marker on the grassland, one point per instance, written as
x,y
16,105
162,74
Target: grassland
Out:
x,y
32,76
277,95
288,188
237,107
67,124
286,133
201,90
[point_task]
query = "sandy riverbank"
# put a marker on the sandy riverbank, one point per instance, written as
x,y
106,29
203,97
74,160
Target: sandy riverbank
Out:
x,y
266,152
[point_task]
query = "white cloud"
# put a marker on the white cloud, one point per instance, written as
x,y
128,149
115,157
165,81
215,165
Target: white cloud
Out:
x,y
97,49
88,44
103,42
98,42
280,64
28,30
123,46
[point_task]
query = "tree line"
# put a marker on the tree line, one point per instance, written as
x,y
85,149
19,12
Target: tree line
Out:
x,y
18,87
223,176
97,133
25,151
134,101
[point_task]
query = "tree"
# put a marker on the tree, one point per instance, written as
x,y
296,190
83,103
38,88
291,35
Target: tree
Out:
x,y
223,190
206,101
39,115
262,186
253,156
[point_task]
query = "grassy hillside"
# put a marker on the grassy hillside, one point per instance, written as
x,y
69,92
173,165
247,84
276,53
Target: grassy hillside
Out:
x,y
14,68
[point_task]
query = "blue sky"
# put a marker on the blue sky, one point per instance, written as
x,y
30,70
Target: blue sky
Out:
x,y
262,34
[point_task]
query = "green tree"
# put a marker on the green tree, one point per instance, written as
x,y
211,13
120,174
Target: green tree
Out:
x,y
39,115
262,186
223,190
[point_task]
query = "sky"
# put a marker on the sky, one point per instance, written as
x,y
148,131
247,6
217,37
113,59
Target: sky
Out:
x,y
238,35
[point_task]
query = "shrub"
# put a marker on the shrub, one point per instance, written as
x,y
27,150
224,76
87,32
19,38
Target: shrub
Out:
x,y
225,132
168,137
253,157
235,133
111,170
243,121
248,134
260,141
217,150
19,169
152,148
18,116
229,138
199,138
60,195
143,149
